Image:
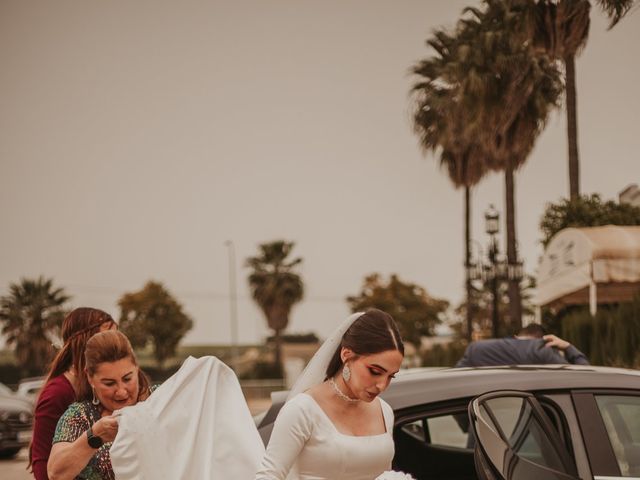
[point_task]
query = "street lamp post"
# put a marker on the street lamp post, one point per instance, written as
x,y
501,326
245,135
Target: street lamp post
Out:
x,y
474,271
492,227
233,303
494,269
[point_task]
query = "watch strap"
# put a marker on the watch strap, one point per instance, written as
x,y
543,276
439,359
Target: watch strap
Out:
x,y
93,440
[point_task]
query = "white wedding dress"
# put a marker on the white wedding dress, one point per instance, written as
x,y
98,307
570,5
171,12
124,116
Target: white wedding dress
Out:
x,y
197,426
306,445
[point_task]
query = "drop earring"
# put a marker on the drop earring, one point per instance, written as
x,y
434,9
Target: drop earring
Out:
x,y
346,372
94,400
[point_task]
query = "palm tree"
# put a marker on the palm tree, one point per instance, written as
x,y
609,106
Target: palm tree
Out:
x,y
276,287
31,313
561,29
516,91
443,128
487,93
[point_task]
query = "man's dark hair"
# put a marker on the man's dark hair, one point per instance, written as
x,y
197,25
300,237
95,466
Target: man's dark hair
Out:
x,y
533,330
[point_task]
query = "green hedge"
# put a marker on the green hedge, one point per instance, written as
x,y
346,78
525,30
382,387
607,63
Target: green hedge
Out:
x,y
610,338
444,355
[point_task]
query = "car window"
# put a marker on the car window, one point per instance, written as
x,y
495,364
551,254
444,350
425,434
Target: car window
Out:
x,y
446,431
521,429
434,444
32,390
621,416
449,430
416,429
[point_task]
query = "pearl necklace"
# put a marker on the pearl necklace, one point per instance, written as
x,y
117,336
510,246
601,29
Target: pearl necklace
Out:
x,y
340,393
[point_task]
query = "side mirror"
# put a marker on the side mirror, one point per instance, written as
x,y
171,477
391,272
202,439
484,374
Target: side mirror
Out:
x,y
516,440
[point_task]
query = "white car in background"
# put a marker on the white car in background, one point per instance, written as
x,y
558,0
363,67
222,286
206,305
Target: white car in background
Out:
x,y
29,388
16,422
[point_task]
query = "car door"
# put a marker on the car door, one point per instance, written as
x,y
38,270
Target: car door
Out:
x,y
610,425
516,440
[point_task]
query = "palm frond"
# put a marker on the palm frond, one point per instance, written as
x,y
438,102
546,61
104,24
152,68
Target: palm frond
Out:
x,y
615,10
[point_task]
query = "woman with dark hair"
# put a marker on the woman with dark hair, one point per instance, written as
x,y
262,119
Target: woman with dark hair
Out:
x,y
64,380
85,431
334,425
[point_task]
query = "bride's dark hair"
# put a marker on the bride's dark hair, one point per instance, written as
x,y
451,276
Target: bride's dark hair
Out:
x,y
372,332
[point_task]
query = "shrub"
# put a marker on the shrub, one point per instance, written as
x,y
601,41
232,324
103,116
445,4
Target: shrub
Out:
x,y
611,337
444,355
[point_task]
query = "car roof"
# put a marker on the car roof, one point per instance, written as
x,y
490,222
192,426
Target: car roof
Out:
x,y
415,387
31,383
40,378
427,386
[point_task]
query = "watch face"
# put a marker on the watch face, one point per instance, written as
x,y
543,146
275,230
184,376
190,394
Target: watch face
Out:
x,y
94,441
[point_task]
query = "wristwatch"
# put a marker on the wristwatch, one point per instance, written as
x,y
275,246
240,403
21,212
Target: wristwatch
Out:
x,y
94,441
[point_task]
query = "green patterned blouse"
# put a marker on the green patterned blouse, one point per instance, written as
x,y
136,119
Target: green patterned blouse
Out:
x,y
73,423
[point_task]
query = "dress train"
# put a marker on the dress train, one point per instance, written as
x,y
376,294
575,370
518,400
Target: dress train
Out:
x,y
196,425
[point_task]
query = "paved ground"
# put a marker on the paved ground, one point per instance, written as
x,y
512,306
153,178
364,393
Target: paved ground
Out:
x,y
15,469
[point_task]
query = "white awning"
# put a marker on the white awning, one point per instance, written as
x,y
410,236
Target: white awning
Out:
x,y
579,260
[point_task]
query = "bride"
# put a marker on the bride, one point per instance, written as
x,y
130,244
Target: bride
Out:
x,y
333,425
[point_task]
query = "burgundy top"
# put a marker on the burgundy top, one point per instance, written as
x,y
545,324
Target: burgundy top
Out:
x,y
54,399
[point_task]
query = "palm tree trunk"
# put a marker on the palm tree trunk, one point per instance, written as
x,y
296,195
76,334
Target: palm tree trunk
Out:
x,y
467,259
277,338
515,301
572,127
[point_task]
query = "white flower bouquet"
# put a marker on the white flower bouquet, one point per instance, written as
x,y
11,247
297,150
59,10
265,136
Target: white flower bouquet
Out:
x,y
393,475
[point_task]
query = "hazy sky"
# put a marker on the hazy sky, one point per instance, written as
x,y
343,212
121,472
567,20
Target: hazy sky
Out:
x,y
137,136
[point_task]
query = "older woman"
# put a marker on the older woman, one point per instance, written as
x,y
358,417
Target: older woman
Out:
x,y
85,431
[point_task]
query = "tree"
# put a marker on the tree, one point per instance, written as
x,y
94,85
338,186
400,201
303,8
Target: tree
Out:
x,y
414,310
585,211
152,315
511,89
482,300
276,287
499,91
31,313
560,28
442,125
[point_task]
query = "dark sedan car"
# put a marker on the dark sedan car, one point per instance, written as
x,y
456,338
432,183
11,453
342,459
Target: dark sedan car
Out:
x,y
16,422
520,422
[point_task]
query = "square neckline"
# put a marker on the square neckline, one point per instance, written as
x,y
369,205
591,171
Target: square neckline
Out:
x,y
335,428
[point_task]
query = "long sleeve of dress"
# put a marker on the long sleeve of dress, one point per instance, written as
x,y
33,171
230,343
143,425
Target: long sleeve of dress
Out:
x,y
292,428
